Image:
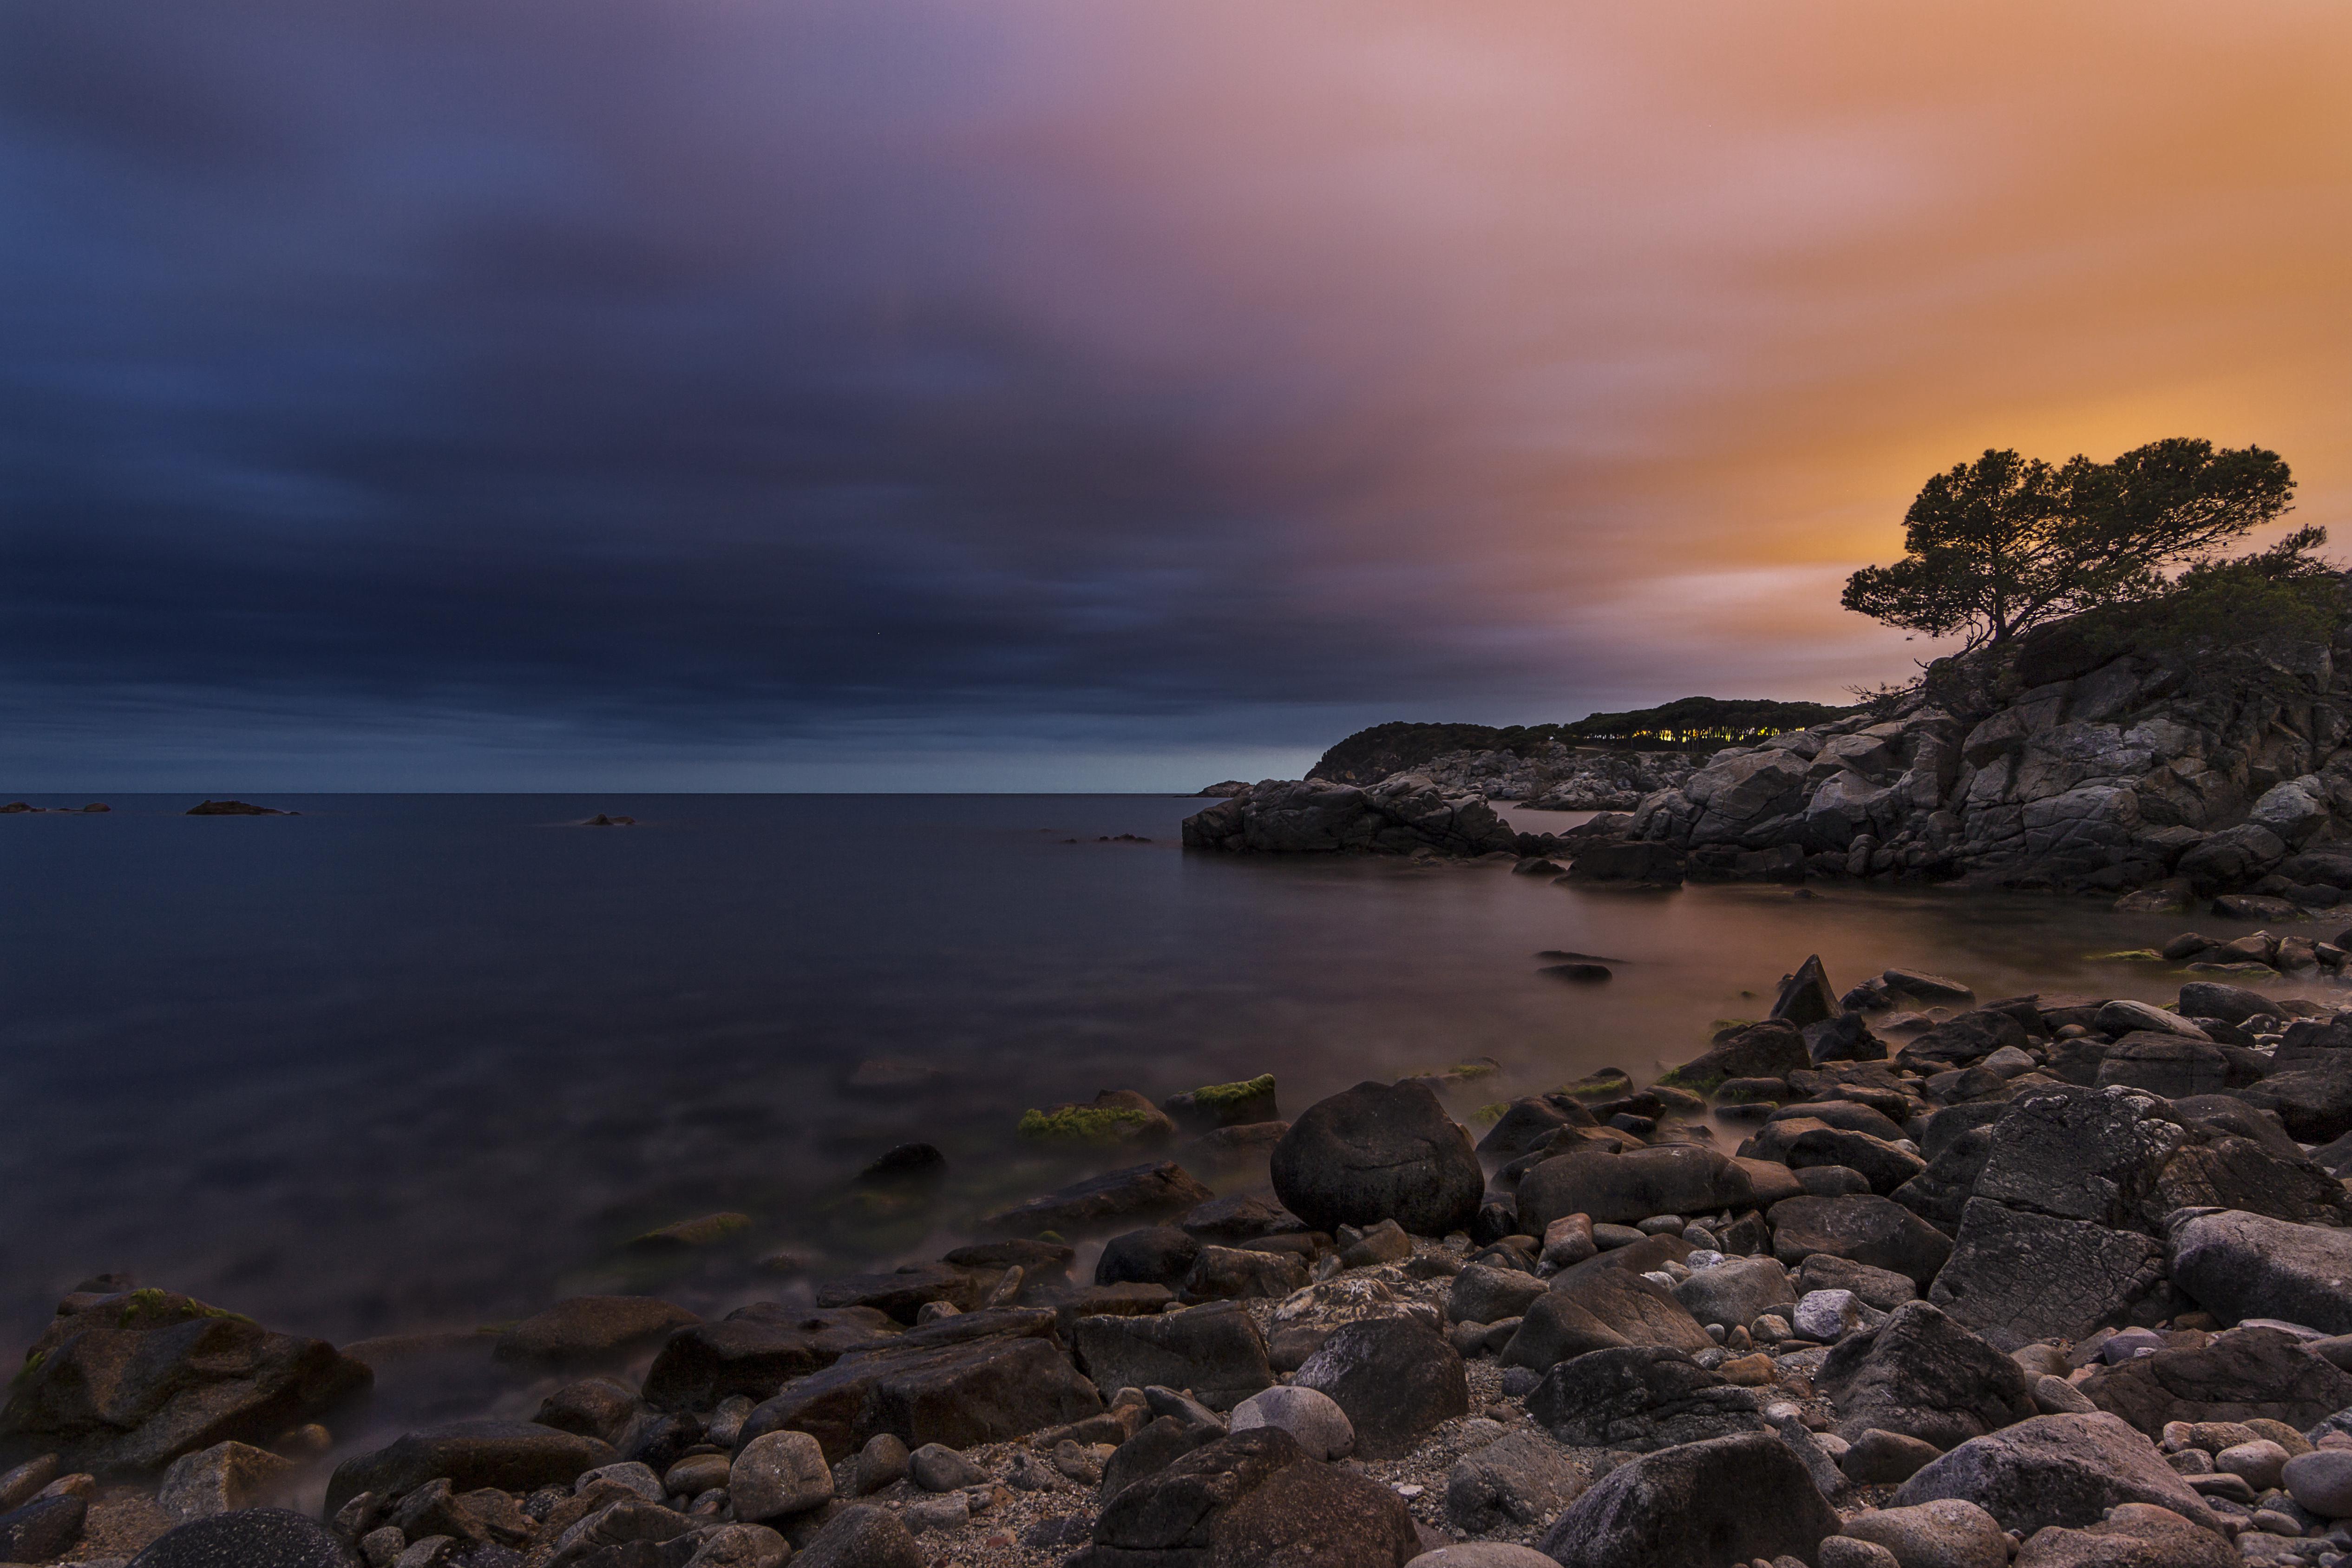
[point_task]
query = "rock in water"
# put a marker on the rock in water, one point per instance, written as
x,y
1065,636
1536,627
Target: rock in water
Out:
x,y
1807,996
1395,1378
2055,1470
1137,1193
1379,1151
589,1330
512,1455
253,1537
1719,1504
1252,1497
1395,816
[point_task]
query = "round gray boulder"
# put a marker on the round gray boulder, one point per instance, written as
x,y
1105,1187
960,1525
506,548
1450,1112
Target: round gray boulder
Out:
x,y
1379,1151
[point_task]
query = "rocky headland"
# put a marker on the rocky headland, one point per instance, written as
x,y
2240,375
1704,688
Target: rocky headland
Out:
x,y
1894,1276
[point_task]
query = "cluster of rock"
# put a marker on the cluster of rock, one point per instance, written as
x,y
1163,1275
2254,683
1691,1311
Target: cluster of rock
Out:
x,y
1552,776
2062,762
21,808
1403,815
2061,1280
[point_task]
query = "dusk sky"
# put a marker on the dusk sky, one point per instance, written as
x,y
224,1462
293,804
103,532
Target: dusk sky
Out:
x,y
1075,394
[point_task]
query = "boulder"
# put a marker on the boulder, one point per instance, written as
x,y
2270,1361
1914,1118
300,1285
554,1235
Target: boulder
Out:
x,y
591,1331
1379,1151
1922,1375
1156,1255
1879,1162
1252,1497
1737,1292
220,1478
1639,1398
2233,1172
2055,1470
1863,1227
1308,1415
2230,858
1395,1377
2015,1276
2084,1154
2230,1003
1940,1192
1946,1533
1137,1192
1237,1274
1773,1048
1484,1295
1527,1123
130,1381
1620,1189
1217,1351
512,1455
778,1473
2321,1480
752,1351
2166,1065
2237,1265
2120,1018
1722,1503
2137,1535
42,1528
1520,1481
1959,1041
1881,1288
860,1536
2240,1376
1597,1306
902,1295
1807,996
1399,814
1225,1105
1878,1458
2314,1101
251,1537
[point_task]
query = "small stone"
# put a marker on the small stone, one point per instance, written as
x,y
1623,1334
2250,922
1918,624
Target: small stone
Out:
x,y
1880,1457
1847,1551
882,1461
939,1468
382,1546
697,1474
778,1474
2258,1463
638,1478
1748,1371
2229,1489
1308,1415
1827,1316
947,1511
217,1479
1770,1329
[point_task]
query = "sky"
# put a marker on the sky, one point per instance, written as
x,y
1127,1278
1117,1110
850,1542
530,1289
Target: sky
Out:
x,y
1046,395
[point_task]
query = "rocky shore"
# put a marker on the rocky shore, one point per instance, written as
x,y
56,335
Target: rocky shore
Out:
x,y
1893,1277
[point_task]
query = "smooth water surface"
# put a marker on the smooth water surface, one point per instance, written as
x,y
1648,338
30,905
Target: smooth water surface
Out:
x,y
408,1062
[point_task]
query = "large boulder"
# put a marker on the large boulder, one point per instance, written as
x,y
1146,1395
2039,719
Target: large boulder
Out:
x,y
2237,1265
1640,1398
1395,1377
1398,815
128,1383
512,1455
1861,1227
1923,1375
2086,1155
1252,1497
1620,1189
1598,1305
1379,1151
2168,1065
2240,1376
1218,1351
2055,1470
2229,1172
2016,1276
1722,1503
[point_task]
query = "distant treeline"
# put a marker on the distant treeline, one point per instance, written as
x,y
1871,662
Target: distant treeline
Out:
x,y
1707,721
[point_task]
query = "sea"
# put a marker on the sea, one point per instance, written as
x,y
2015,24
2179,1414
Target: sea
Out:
x,y
400,1064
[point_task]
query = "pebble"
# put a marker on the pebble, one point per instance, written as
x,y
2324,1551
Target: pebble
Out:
x,y
777,1474
882,1461
939,1468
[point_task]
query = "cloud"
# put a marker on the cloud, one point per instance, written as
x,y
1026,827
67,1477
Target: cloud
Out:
x,y
718,380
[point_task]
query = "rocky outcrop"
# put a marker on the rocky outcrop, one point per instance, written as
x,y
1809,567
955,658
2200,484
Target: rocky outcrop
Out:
x,y
1555,777
1395,816
2063,760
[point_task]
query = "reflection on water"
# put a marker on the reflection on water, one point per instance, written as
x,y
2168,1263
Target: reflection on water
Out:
x,y
416,1061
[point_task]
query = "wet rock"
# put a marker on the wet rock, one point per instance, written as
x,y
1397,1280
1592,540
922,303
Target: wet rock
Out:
x,y
2237,1264
1379,1151
588,1330
2055,1470
2016,1276
1225,1105
1517,1482
599,1407
1863,1228
1946,1533
861,1536
1395,1377
1244,1216
1880,1163
1252,1497
1806,996
1960,1041
1528,1121
1923,1375
1620,1189
512,1456
753,1353
2230,1003
778,1473
1397,815
1217,1351
1137,1192
250,1538
2314,1101
1308,1415
1638,1399
2248,1374
1718,1504
1156,1255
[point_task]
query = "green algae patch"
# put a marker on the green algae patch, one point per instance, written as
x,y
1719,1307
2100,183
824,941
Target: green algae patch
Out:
x,y
1606,1084
1083,1126
1487,1115
1695,1077
150,1308
1217,1095
2125,955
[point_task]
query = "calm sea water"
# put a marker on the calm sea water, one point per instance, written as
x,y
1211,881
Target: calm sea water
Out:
x,y
426,1061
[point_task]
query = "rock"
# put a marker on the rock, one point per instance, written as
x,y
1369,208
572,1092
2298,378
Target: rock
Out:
x,y
41,1529
740,1546
983,1377
1137,1192
2087,1155
1518,1481
1225,1105
512,1456
1397,815
1252,1497
2238,1266
1217,1351
1923,1375
2016,1276
861,1536
1863,1228
1959,1041
778,1473
1881,1288
685,1235
2233,1172
2166,1065
2055,1470
217,1479
236,809
1845,1551
587,1331
1879,1163
1828,1316
1620,1189
902,1295
1735,1292
2056,1396
599,1407
2321,1481
1595,1306
1395,1377
1717,1504
1879,1458
1313,1417
939,1468
1484,1295
1156,1255
1773,1048
880,1462
1483,1554
1379,1151
1386,1242
2120,1018
133,1380
1568,1241
2240,1375
1234,1274
2230,1003
1807,996
249,1538
1639,1398
2137,1535
1945,1533
751,1353
2257,1463
2313,1101
1244,1216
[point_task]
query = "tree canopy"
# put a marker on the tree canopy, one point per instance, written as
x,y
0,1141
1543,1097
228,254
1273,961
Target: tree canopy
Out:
x,y
2004,543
